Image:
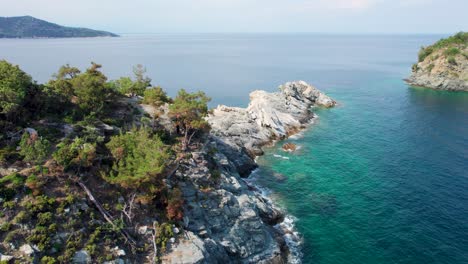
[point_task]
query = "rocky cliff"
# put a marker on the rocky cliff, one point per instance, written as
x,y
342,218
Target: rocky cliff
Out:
x,y
232,222
443,65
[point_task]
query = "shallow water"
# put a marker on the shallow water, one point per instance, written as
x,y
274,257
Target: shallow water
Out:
x,y
382,178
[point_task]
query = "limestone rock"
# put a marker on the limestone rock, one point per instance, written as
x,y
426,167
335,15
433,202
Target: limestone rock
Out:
x,y
5,258
437,72
81,257
188,250
27,250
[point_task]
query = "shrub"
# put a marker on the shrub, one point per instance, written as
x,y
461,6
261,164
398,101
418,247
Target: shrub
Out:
x,y
163,234
452,60
424,52
75,153
138,158
451,51
14,180
48,260
14,85
155,96
91,90
34,149
174,205
34,183
430,67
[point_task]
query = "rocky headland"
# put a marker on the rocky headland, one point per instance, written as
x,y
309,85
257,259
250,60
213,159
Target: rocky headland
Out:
x,y
150,179
233,222
443,65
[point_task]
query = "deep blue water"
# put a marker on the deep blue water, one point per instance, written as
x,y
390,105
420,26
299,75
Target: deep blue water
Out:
x,y
382,178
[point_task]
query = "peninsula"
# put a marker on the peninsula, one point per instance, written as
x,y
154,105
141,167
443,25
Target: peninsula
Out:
x,y
99,171
443,65
30,27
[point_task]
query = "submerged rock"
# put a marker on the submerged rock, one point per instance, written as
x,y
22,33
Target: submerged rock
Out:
x,y
289,147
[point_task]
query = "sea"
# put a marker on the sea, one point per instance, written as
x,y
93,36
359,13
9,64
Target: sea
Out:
x,y
380,178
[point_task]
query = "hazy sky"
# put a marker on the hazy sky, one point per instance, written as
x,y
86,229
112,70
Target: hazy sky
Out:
x,y
184,16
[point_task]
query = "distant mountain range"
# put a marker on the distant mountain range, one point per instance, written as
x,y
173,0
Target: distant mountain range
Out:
x,y
30,27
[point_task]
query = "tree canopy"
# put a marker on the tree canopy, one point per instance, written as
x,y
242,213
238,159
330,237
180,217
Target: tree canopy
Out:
x,y
14,85
155,96
139,158
90,89
188,112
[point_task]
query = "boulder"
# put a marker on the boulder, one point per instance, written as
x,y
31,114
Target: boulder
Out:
x,y
5,258
81,257
27,250
289,147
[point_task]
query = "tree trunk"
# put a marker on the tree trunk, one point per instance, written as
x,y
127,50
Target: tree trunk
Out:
x,y
104,213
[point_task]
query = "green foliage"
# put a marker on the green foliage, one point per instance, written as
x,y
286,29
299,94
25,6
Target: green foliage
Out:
x,y
91,90
141,81
14,85
34,149
40,204
155,96
430,67
188,112
78,153
459,39
138,158
452,51
62,84
14,180
164,232
452,60
48,260
122,85
424,52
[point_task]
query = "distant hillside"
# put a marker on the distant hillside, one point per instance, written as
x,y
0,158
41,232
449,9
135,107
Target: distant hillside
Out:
x,y
443,65
30,27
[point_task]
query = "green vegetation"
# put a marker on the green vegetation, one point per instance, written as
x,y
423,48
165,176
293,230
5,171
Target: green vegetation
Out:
x,y
127,86
188,112
430,67
90,170
156,97
139,158
14,86
452,51
33,148
452,60
453,45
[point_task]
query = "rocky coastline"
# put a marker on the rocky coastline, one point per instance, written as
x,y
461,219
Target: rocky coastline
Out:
x,y
443,65
233,222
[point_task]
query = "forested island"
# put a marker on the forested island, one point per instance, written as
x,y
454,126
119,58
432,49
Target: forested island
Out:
x,y
99,171
443,65
30,27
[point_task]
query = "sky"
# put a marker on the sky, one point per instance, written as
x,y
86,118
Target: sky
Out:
x,y
203,16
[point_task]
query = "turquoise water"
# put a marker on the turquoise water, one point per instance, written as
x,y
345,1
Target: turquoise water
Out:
x,y
381,178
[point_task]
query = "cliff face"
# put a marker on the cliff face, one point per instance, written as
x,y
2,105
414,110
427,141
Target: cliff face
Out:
x,y
443,65
232,222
